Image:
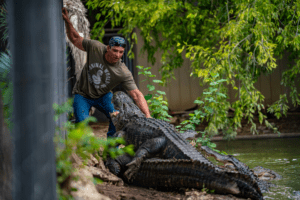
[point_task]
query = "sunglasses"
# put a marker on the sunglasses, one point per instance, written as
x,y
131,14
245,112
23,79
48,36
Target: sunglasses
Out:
x,y
119,44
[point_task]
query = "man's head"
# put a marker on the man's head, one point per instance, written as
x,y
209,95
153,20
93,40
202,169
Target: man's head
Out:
x,y
115,49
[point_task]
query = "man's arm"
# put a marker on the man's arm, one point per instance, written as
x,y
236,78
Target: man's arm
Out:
x,y
140,101
72,34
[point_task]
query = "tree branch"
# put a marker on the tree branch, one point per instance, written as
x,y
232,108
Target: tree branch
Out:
x,y
294,13
240,42
2,8
297,26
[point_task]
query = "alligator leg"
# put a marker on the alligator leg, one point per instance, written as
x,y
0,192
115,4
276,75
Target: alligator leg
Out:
x,y
117,166
146,150
119,134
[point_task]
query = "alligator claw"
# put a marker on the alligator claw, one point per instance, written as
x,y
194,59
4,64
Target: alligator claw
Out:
x,y
133,168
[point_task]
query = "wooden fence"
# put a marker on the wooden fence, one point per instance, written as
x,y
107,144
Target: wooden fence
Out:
x,y
182,92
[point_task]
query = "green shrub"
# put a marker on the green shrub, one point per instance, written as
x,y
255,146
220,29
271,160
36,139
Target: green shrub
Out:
x,y
6,86
158,104
82,142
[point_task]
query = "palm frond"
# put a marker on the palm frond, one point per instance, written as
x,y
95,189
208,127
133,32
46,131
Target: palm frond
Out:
x,y
5,64
3,22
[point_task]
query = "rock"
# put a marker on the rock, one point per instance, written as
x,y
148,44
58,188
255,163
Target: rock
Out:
x,y
195,195
76,160
296,195
173,120
101,165
92,161
86,189
104,175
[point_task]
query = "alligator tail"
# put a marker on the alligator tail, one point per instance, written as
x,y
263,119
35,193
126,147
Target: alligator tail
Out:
x,y
194,174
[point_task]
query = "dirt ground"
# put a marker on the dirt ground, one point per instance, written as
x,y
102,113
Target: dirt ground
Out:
x,y
116,192
129,192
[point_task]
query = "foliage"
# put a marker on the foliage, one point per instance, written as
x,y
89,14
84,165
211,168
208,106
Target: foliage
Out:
x,y
279,108
82,142
210,110
206,190
3,22
6,87
205,141
239,40
158,104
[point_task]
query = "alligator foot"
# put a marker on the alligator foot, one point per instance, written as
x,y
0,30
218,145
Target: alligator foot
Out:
x,y
133,168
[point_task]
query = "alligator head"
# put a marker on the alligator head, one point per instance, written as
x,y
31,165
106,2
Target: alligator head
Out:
x,y
127,109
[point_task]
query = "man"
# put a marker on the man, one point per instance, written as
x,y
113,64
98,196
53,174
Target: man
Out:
x,y
102,72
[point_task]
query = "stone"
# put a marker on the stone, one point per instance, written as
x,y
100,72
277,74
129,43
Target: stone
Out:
x,y
86,190
173,120
76,160
92,161
101,165
104,175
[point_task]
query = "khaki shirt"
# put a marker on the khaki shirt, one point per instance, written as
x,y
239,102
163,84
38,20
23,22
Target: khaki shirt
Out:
x,y
99,77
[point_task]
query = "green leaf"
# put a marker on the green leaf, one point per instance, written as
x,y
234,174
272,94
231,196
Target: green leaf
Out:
x,y
207,92
213,83
221,94
213,145
214,74
150,87
221,80
161,92
157,81
198,102
148,96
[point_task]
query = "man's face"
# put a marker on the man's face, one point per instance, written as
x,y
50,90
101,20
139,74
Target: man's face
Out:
x,y
115,53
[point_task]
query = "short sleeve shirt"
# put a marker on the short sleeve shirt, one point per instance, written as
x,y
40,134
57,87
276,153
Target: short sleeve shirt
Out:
x,y
99,77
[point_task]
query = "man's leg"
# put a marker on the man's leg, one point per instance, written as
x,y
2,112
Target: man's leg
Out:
x,y
105,105
81,107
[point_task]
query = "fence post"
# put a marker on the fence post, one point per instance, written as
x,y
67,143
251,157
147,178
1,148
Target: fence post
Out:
x,y
37,47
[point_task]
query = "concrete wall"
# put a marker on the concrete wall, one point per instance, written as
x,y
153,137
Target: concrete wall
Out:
x,y
182,92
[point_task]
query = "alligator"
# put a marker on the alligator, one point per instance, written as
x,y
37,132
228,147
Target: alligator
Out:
x,y
178,161
181,173
266,174
259,174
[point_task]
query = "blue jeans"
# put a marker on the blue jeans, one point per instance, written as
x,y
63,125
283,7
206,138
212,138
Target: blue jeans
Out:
x,y
83,105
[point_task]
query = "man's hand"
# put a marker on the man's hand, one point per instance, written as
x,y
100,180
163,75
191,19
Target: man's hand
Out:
x,y
140,101
65,14
72,34
114,114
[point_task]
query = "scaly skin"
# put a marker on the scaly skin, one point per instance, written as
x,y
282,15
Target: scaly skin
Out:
x,y
152,137
242,168
172,173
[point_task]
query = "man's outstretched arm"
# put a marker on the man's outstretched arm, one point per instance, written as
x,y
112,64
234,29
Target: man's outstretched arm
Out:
x,y
140,101
72,34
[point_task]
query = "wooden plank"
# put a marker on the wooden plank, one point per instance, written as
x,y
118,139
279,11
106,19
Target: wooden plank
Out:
x,y
266,89
174,102
184,86
275,84
196,89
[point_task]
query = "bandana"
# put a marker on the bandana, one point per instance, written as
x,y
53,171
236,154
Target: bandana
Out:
x,y
117,41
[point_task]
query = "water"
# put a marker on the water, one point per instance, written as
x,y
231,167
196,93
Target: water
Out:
x,y
281,155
